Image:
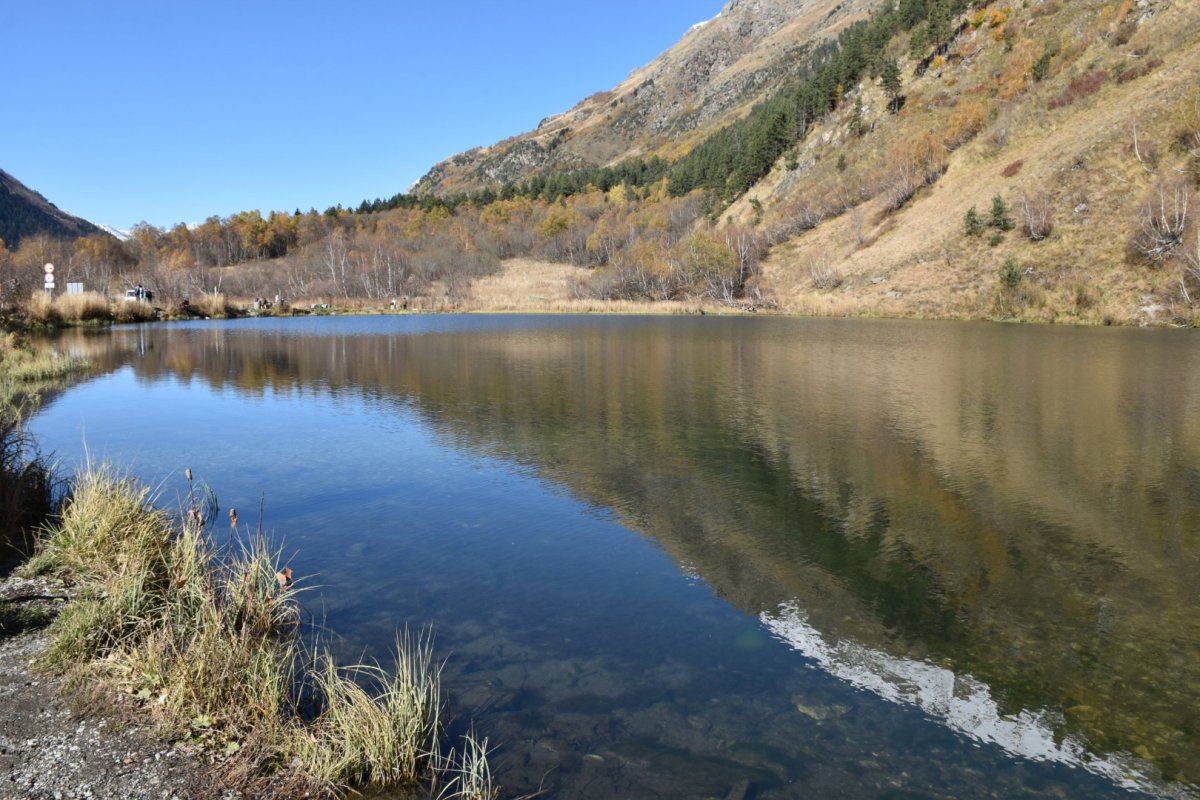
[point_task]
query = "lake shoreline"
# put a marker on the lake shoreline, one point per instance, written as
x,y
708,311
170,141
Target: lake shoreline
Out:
x,y
51,749
600,309
526,286
151,621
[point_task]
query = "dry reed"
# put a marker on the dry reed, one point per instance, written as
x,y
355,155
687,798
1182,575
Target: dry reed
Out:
x,y
206,635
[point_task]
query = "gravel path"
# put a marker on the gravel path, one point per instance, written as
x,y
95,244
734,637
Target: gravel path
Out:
x,y
46,751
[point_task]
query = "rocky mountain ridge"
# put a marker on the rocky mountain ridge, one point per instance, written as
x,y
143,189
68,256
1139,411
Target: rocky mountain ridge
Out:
x,y
714,74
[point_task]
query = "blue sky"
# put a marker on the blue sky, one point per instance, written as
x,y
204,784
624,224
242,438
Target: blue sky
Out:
x,y
172,111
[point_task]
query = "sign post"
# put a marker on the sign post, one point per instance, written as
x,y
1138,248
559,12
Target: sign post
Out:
x,y
49,270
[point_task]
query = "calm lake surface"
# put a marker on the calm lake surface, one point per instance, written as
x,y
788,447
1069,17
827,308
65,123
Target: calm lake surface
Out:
x,y
679,557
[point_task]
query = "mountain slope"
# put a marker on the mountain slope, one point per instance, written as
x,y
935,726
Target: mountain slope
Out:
x,y
716,73
1088,158
24,212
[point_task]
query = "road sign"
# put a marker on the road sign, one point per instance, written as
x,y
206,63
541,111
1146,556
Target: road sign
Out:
x,y
49,281
48,269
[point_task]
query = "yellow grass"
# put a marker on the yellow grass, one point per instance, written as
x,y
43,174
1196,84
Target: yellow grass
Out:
x,y
88,307
539,286
918,262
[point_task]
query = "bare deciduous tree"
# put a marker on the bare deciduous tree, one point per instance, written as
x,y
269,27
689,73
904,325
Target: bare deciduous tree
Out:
x,y
1162,222
824,275
1036,220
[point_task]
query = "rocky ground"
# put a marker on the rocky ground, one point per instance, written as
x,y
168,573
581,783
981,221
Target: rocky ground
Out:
x,y
48,751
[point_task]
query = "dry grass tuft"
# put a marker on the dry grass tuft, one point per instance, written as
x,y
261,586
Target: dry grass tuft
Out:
x,y
27,488
86,307
205,635
216,306
470,771
89,307
384,737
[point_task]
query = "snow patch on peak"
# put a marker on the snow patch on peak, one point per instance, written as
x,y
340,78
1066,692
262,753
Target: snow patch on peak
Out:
x,y
117,232
701,24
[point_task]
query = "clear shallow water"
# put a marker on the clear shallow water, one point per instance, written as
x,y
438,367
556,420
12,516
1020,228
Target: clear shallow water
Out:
x,y
668,556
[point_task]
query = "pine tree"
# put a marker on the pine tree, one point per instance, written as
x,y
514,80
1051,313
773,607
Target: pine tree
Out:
x,y
1010,273
1001,215
972,223
889,79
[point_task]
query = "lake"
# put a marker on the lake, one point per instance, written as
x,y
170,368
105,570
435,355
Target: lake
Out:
x,y
718,557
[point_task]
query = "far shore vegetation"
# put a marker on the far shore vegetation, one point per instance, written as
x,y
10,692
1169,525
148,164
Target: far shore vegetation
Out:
x,y
203,631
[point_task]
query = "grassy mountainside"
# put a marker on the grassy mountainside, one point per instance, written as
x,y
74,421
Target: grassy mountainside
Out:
x,y
1077,123
1084,117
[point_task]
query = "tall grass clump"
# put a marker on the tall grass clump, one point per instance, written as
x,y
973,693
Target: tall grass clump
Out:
x,y
375,727
27,489
114,545
204,629
40,311
28,486
215,306
128,311
85,307
470,772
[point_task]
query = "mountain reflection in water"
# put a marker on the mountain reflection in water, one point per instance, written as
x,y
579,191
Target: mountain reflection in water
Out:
x,y
998,525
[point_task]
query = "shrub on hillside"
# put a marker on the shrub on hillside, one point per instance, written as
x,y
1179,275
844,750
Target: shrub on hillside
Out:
x,y
1010,273
1139,70
1049,8
1079,88
1162,222
1015,76
966,122
1036,222
1187,120
824,275
913,163
795,220
1123,33
1041,68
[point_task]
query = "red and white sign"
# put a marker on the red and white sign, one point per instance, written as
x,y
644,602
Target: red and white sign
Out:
x,y
49,270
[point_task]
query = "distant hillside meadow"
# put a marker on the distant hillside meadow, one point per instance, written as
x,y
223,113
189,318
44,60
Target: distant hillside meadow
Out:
x,y
932,158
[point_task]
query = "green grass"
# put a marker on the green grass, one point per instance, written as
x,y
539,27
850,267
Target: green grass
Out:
x,y
207,635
